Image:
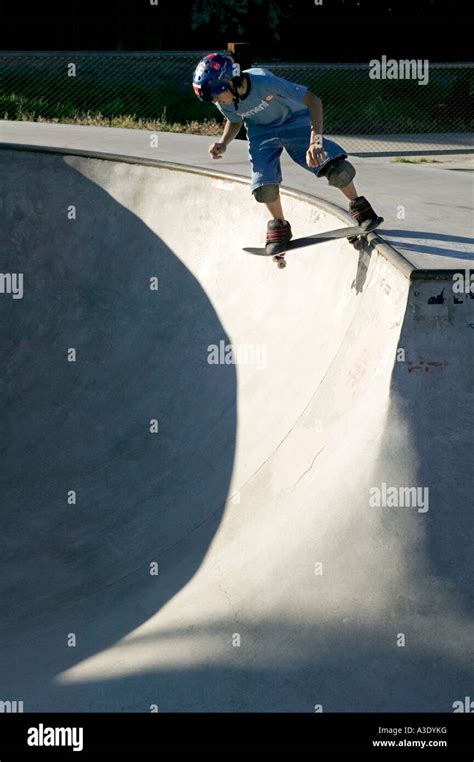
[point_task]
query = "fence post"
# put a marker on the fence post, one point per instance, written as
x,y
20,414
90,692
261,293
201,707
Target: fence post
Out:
x,y
241,53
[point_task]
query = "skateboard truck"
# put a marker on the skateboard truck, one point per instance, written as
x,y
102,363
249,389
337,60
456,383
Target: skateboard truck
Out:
x,y
280,260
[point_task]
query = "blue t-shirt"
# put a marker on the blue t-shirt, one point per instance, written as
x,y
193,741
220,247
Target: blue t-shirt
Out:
x,y
271,101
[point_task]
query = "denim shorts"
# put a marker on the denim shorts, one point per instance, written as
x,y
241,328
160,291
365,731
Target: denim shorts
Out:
x,y
266,145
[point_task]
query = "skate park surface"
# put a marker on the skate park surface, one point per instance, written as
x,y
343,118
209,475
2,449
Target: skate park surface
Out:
x,y
232,556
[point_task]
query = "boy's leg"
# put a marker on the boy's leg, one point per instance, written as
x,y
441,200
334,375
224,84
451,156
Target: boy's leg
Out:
x,y
275,208
338,171
350,192
339,174
264,154
278,229
361,210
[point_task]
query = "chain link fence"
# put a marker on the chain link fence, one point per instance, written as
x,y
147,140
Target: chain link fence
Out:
x,y
156,87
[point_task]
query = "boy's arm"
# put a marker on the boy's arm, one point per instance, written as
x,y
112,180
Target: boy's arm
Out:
x,y
315,108
231,129
300,94
315,153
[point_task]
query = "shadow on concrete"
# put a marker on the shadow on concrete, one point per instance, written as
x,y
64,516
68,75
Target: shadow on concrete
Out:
x,y
427,435
426,236
85,425
329,668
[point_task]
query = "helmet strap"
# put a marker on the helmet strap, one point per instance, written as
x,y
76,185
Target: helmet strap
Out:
x,y
236,95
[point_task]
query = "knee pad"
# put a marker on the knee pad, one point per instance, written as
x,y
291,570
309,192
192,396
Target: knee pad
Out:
x,y
266,194
339,173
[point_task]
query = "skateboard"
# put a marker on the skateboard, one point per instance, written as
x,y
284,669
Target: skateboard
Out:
x,y
356,235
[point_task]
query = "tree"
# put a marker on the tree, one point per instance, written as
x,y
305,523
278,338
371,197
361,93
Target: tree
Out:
x,y
237,16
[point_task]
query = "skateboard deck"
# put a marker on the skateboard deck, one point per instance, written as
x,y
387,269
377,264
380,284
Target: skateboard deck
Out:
x,y
355,231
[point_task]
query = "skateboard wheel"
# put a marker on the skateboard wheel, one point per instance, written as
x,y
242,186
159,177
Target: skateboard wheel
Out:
x,y
281,264
358,244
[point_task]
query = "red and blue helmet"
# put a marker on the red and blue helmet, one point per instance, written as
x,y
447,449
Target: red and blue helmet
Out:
x,y
213,75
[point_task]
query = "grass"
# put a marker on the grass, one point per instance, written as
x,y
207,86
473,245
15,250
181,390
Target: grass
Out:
x,y
402,160
131,122
24,109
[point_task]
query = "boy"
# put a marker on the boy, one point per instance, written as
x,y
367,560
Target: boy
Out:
x,y
277,114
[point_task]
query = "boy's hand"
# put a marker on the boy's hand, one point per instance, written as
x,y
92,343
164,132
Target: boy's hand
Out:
x,y
216,149
314,155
